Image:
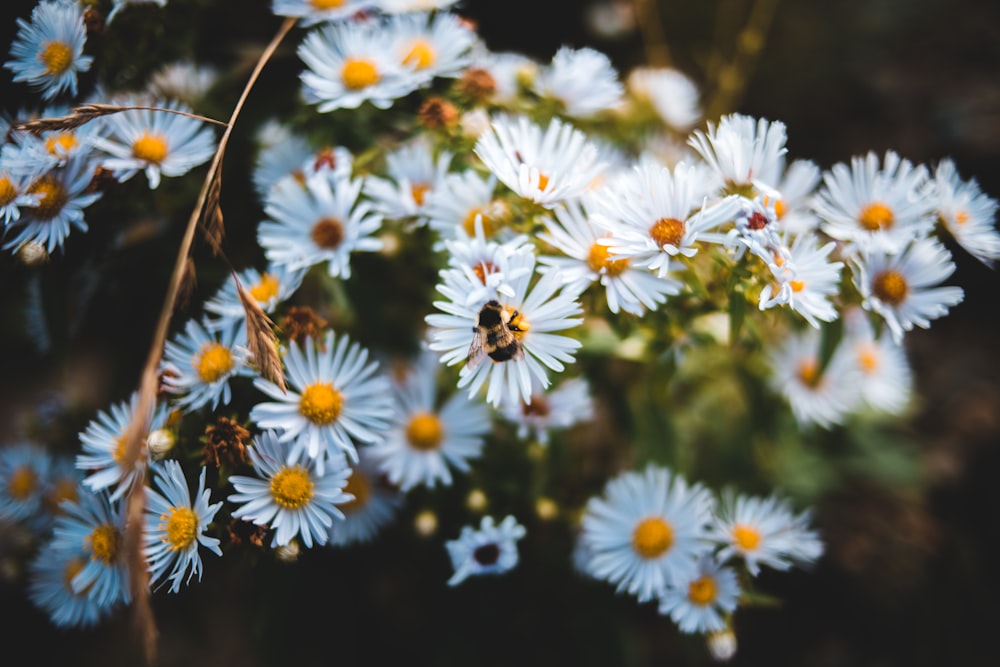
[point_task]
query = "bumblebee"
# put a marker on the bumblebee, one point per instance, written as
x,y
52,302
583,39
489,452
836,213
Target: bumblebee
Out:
x,y
494,335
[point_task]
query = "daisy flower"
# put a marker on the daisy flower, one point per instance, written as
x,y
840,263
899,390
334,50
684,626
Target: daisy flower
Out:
x,y
403,6
413,174
175,526
816,394
903,288
653,213
427,440
886,378
95,526
699,603
292,499
480,268
546,166
63,482
320,220
313,12
558,409
13,195
793,196
671,93
185,81
873,206
743,151
269,289
966,211
24,468
334,398
589,261
47,53
157,143
583,81
536,310
508,72
199,365
430,44
763,531
492,549
103,443
50,588
647,531
806,280
31,154
375,503
61,195
460,198
349,63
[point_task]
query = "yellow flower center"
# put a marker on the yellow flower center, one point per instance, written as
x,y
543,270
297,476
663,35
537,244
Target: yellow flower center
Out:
x,y
150,147
702,591
63,489
962,217
543,181
52,197
182,526
266,289
7,191
358,73
419,191
359,486
421,54
328,233
213,362
876,216
867,358
326,4
780,209
652,537
746,537
119,449
56,56
797,285
667,231
103,543
61,143
599,260
291,487
808,372
890,287
484,269
425,431
469,223
321,403
22,483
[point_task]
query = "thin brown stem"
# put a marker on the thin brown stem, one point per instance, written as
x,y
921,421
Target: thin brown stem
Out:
x,y
733,77
148,383
653,39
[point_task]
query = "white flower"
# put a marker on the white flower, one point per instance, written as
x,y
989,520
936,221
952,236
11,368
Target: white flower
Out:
x,y
433,45
413,174
311,12
967,212
480,268
817,394
492,549
334,398
293,499
698,604
583,80
567,404
903,288
588,261
375,503
540,308
461,198
886,378
763,531
546,166
647,531
319,221
671,93
807,280
199,365
48,52
653,214
428,439
185,80
268,288
175,527
875,207
158,143
743,151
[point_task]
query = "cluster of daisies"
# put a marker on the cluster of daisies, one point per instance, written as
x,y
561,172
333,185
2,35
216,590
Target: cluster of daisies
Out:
x,y
555,226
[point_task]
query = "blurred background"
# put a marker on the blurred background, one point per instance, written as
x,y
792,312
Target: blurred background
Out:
x,y
909,518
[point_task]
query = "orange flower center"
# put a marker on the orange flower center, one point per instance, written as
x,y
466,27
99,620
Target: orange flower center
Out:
x,y
702,591
890,287
328,233
599,260
182,527
425,431
56,56
292,488
150,147
876,216
53,197
746,537
667,231
266,289
652,537
421,54
213,362
321,403
359,73
22,483
359,486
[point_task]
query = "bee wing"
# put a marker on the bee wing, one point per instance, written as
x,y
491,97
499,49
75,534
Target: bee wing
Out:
x,y
476,352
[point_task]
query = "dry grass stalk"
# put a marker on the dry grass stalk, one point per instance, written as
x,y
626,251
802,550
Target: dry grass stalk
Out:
x,y
148,384
261,340
88,112
212,225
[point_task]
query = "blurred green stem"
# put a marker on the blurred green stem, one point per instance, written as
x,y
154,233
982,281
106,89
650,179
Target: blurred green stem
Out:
x,y
731,78
654,42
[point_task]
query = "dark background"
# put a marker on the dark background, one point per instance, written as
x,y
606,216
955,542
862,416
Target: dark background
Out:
x,y
910,576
